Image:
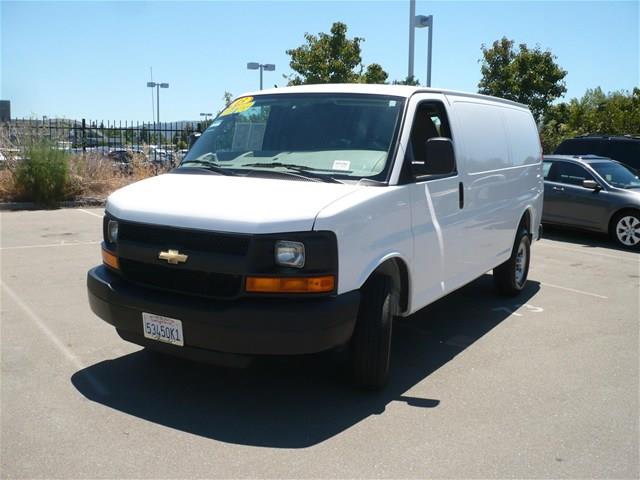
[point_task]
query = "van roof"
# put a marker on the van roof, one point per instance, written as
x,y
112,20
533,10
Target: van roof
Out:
x,y
376,89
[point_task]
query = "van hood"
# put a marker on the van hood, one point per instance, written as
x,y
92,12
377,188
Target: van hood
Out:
x,y
225,203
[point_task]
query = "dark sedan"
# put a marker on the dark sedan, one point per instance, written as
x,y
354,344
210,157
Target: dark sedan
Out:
x,y
593,193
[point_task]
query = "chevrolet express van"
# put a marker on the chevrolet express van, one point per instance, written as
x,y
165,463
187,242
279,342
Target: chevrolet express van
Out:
x,y
307,218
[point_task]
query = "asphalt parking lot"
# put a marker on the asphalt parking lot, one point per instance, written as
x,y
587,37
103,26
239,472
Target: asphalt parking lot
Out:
x,y
544,386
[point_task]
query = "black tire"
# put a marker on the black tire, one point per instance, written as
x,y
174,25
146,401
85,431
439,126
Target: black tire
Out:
x,y
511,277
371,341
625,229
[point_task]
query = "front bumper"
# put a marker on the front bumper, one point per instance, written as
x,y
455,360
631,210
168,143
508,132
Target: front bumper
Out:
x,y
249,326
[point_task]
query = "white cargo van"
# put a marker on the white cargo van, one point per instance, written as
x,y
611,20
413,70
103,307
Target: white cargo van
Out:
x,y
307,218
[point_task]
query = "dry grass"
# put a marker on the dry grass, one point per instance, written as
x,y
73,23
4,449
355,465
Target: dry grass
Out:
x,y
90,176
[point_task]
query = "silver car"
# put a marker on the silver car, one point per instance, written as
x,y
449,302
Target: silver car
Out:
x,y
593,193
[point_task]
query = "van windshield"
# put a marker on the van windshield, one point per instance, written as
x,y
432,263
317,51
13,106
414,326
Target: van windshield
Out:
x,y
337,135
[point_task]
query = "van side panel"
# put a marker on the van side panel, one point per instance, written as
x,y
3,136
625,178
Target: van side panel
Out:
x,y
525,150
502,174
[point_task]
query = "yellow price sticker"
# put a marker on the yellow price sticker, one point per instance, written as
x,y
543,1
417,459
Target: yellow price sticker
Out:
x,y
239,105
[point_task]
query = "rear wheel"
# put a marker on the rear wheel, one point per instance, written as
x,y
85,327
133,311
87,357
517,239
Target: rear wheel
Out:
x,y
626,229
371,342
511,277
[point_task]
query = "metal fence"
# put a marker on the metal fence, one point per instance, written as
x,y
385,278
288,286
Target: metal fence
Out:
x,y
102,136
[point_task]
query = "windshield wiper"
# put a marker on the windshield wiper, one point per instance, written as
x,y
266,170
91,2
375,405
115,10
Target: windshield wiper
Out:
x,y
211,166
309,171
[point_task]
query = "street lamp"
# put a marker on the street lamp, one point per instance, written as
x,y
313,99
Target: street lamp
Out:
x,y
267,67
419,21
206,118
423,21
158,86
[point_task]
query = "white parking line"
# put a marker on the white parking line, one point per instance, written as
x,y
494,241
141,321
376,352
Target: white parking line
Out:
x,y
582,292
631,256
97,386
89,213
48,245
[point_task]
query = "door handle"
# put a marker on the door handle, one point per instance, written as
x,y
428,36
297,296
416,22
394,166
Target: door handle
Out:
x,y
461,195
558,189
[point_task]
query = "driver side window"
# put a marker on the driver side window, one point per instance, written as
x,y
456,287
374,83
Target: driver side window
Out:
x,y
430,121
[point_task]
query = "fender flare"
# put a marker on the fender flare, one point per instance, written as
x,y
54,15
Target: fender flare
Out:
x,y
396,266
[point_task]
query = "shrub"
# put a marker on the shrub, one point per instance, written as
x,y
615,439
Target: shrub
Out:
x,y
43,174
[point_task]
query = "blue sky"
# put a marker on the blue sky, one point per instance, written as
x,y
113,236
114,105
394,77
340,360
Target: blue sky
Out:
x,y
91,59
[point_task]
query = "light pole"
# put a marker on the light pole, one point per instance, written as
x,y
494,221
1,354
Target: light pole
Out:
x,y
412,37
419,21
158,86
267,67
206,117
422,21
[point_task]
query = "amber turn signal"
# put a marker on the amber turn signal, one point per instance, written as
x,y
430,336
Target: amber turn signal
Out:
x,y
109,259
323,284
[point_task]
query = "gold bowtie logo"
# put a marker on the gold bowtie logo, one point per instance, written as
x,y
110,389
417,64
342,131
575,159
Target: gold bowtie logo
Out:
x,y
173,257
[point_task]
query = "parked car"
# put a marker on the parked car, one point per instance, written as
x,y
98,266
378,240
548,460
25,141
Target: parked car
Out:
x,y
307,218
593,193
122,158
625,149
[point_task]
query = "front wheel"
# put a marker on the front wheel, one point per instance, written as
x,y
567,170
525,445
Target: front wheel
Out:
x,y
511,277
626,229
371,342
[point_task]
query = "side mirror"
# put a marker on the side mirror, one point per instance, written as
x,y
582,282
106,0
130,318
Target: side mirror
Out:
x,y
440,157
192,139
591,184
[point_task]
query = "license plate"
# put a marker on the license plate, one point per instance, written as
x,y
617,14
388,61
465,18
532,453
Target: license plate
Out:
x,y
162,329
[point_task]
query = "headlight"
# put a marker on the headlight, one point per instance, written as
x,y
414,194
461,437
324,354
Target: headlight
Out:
x,y
289,254
112,231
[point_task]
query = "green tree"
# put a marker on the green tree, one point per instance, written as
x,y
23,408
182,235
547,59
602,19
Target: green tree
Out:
x,y
409,80
615,113
332,58
375,74
529,76
43,174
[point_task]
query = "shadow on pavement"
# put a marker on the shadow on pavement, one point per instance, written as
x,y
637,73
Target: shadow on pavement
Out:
x,y
296,402
582,238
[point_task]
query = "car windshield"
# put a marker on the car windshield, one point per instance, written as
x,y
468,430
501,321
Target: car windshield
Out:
x,y
335,135
616,174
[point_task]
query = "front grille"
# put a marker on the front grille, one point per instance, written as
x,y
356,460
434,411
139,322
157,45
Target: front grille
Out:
x,y
184,238
192,282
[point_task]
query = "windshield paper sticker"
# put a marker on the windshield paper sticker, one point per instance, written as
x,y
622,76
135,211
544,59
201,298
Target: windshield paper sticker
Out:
x,y
341,164
238,106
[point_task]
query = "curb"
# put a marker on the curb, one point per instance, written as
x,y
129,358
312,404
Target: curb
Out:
x,y
85,202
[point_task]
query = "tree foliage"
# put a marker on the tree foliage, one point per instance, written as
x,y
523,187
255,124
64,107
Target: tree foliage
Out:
x,y
375,74
409,80
332,58
43,174
529,76
615,113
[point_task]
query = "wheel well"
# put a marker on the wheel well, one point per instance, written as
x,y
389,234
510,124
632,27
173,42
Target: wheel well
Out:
x,y
397,269
617,213
525,222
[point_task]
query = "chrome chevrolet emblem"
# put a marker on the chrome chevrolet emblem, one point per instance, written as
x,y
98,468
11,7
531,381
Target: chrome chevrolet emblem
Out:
x,y
173,257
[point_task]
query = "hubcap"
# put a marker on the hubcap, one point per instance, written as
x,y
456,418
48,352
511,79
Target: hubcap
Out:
x,y
521,262
628,231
